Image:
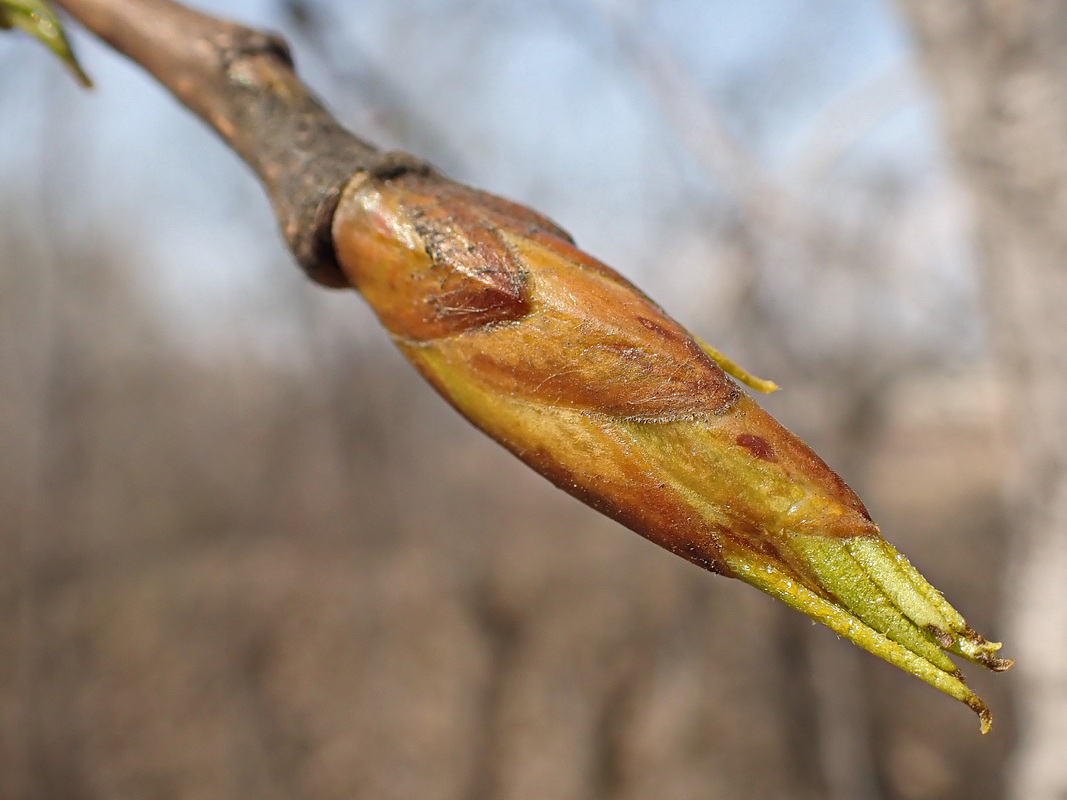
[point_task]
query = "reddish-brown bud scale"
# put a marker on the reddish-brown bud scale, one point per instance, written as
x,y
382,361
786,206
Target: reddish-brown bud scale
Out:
x,y
583,377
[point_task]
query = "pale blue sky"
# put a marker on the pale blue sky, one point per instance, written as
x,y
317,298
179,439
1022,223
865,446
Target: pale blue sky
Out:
x,y
532,100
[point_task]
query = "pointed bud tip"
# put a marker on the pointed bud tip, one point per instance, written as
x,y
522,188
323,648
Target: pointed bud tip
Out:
x,y
985,717
997,664
975,648
37,18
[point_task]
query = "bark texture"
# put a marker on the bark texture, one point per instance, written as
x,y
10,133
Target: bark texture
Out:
x,y
998,70
241,82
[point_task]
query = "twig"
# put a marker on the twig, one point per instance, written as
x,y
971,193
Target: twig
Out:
x,y
241,82
699,127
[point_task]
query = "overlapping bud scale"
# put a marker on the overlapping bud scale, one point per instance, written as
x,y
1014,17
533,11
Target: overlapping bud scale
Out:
x,y
584,378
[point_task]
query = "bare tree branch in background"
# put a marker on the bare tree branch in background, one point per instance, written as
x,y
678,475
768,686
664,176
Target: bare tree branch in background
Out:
x,y
316,213
819,245
379,100
686,108
998,71
848,117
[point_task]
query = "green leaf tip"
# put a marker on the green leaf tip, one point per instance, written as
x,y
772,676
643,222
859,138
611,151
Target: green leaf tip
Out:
x,y
37,18
867,592
735,370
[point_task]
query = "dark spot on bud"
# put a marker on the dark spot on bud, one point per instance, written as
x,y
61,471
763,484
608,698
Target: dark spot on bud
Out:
x,y
758,446
943,637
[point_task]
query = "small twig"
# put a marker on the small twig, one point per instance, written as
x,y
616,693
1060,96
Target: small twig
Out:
x,y
847,118
241,82
699,126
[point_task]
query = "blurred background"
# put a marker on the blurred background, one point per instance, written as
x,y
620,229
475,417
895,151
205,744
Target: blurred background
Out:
x,y
245,553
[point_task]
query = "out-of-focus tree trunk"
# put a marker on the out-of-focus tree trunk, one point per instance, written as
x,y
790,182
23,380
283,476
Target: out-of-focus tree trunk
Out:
x,y
999,70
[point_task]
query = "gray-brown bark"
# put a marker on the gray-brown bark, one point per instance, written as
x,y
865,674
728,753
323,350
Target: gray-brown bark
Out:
x,y
998,70
241,82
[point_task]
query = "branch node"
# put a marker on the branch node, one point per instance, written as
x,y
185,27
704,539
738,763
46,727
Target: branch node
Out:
x,y
394,163
265,43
